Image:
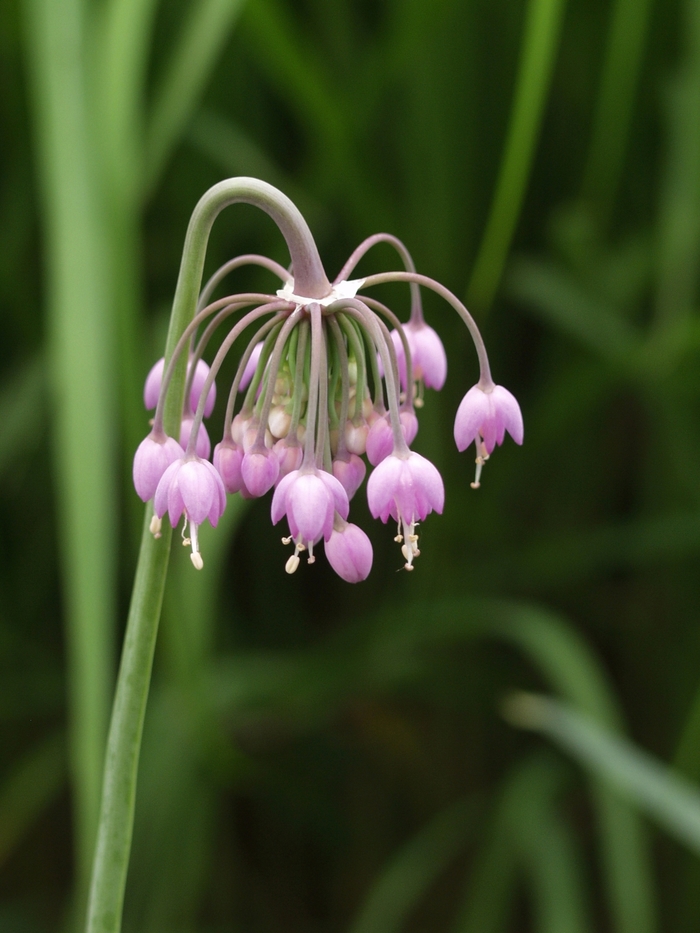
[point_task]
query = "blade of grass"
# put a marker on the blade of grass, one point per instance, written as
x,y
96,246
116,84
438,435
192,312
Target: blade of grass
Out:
x,y
388,651
629,26
206,28
120,46
81,367
679,220
566,662
526,833
537,57
314,94
549,852
416,867
557,298
668,798
234,152
488,903
33,784
23,401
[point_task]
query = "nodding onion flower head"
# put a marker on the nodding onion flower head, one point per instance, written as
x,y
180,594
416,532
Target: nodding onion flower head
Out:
x,y
326,376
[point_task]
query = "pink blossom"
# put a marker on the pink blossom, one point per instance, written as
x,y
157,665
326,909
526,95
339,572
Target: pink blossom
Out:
x,y
349,551
427,355
380,439
151,389
153,457
309,498
487,413
200,374
227,461
259,469
192,487
203,445
409,424
350,472
407,489
289,456
250,367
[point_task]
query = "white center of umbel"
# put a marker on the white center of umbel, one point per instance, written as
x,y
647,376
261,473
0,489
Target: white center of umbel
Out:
x,y
348,288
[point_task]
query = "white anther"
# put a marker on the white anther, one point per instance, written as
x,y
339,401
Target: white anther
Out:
x,y
408,567
193,539
186,542
311,560
292,564
287,540
398,539
155,526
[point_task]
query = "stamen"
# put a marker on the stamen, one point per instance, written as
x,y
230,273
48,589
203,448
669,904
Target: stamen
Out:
x,y
195,556
481,458
312,559
155,526
409,550
196,559
292,564
183,534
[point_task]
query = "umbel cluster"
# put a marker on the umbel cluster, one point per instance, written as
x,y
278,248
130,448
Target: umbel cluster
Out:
x,y
328,376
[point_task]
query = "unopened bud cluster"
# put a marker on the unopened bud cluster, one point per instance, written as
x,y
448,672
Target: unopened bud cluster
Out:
x,y
321,383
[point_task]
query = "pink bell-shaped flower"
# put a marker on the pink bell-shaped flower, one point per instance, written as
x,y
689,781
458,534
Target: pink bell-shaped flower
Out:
x,y
349,472
250,367
203,445
407,489
309,498
153,457
349,551
151,389
487,413
192,487
427,355
289,456
380,439
228,457
259,469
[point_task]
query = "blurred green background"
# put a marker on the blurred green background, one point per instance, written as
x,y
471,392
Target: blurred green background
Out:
x,y
321,757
